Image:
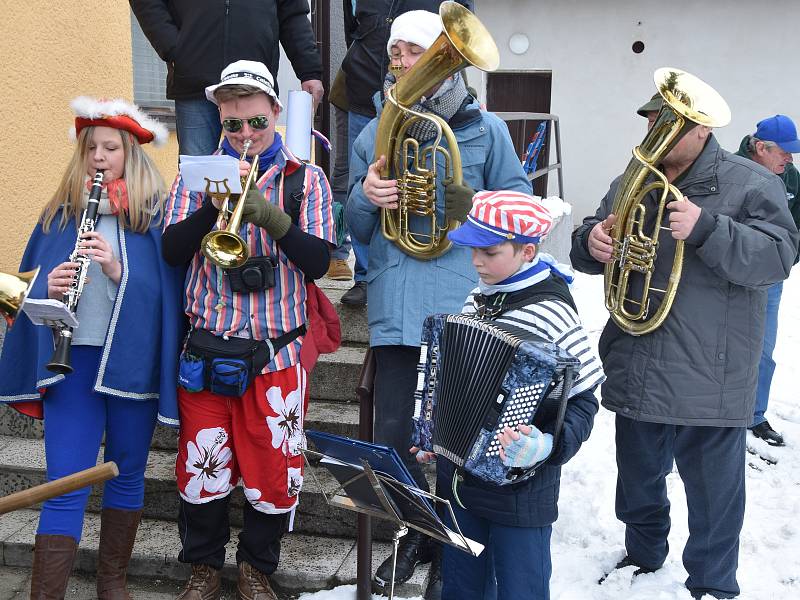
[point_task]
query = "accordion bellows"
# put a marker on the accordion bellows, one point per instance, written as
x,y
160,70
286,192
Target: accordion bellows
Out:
x,y
477,376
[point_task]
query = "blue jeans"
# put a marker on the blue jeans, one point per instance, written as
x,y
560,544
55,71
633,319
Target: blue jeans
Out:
x,y
710,462
355,124
198,126
341,171
515,562
766,367
75,417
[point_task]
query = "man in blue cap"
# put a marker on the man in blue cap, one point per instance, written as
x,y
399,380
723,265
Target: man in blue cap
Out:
x,y
772,146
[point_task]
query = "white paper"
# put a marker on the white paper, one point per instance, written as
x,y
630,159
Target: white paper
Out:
x,y
50,313
211,173
298,124
475,547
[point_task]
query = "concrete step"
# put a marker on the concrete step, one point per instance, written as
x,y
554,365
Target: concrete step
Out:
x,y
336,375
336,417
308,563
353,319
22,466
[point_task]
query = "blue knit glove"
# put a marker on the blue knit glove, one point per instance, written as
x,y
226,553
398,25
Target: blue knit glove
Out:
x,y
528,449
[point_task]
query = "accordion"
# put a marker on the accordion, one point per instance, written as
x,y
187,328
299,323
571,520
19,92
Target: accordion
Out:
x,y
476,377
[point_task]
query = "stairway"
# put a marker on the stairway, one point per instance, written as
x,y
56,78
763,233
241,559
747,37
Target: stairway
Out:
x,y
319,554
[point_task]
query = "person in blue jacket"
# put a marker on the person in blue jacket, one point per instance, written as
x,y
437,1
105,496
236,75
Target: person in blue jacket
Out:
x,y
522,287
124,350
403,289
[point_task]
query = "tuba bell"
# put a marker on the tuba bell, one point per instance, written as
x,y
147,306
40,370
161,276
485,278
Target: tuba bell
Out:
x,y
688,102
464,41
14,289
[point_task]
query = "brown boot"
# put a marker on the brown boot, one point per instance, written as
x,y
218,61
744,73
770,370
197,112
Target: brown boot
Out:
x,y
53,556
204,584
253,584
117,534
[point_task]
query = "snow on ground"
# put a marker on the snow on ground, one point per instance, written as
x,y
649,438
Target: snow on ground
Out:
x,y
588,540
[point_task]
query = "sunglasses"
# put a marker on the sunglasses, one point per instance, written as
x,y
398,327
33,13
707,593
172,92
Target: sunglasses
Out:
x,y
258,122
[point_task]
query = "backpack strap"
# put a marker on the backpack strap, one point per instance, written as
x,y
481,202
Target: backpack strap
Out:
x,y
293,192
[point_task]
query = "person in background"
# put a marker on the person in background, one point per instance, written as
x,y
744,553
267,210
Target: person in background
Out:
x,y
124,350
772,146
367,24
197,39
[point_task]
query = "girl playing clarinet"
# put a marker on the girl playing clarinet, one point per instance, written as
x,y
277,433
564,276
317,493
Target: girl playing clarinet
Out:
x,y
120,374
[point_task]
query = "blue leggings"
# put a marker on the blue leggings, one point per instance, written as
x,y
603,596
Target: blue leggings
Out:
x,y
75,417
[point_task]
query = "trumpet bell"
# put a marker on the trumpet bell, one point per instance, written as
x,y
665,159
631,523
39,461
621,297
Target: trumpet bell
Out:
x,y
225,249
14,289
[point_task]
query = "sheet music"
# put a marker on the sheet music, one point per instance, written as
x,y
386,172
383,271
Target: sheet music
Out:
x,y
201,173
49,313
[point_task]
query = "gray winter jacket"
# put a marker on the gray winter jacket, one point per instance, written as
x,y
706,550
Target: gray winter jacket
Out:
x,y
700,366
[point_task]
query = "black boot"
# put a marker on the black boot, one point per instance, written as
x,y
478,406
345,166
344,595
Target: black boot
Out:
x,y
415,549
356,295
627,561
765,431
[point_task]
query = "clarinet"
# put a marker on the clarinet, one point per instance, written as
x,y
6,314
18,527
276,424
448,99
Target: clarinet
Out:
x,y
61,363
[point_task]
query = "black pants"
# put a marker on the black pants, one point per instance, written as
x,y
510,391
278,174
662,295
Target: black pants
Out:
x,y
204,530
710,461
395,382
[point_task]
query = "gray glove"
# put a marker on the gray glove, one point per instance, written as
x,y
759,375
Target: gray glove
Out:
x,y
261,212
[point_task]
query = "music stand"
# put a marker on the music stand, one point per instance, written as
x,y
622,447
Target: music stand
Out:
x,y
374,481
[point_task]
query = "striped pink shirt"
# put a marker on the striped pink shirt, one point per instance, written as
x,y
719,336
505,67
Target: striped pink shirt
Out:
x,y
210,303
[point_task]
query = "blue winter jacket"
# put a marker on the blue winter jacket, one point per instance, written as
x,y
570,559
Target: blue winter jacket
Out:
x,y
139,360
403,290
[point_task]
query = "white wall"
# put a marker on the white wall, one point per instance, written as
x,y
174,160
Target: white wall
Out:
x,y
746,50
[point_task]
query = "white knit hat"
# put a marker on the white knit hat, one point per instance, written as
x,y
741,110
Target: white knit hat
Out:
x,y
420,27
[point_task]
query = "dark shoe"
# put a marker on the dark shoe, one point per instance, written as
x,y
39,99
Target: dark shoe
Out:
x,y
253,584
765,431
204,584
433,591
414,549
53,557
356,295
117,534
627,561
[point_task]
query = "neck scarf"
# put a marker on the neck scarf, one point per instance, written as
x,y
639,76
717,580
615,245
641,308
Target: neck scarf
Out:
x,y
528,274
114,198
265,159
445,103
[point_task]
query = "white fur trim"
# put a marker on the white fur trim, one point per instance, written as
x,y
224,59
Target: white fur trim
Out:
x,y
420,27
92,108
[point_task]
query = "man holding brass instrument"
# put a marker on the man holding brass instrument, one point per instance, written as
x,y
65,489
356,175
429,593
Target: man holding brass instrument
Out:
x,y
242,389
684,391
415,275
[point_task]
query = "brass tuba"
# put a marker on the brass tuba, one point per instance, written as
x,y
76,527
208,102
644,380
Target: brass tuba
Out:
x,y
464,41
688,102
14,289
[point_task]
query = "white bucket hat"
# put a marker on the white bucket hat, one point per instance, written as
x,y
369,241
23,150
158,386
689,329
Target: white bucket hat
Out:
x,y
246,72
420,27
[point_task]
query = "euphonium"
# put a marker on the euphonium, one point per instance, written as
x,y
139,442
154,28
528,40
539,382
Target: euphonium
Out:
x,y
464,41
224,247
14,289
688,102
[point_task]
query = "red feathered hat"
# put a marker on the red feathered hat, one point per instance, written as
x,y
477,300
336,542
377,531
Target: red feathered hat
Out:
x,y
118,114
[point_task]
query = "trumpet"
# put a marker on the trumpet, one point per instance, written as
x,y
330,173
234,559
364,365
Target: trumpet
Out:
x,y
224,247
14,289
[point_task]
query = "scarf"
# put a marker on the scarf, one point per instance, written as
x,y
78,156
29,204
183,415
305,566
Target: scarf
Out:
x,y
265,159
445,103
113,199
529,274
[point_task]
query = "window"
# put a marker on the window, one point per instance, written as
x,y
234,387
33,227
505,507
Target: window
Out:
x,y
149,78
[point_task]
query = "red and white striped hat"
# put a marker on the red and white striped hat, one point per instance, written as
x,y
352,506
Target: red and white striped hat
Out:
x,y
118,114
503,216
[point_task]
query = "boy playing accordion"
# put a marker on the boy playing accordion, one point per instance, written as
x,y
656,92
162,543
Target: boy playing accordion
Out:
x,y
518,287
